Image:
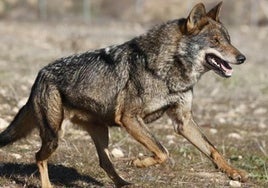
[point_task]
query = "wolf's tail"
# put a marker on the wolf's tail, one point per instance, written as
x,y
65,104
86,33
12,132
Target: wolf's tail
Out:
x,y
20,127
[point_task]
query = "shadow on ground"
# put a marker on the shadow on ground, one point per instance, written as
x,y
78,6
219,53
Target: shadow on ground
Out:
x,y
59,175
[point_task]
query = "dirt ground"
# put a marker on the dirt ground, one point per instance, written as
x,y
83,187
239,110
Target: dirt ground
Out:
x,y
232,112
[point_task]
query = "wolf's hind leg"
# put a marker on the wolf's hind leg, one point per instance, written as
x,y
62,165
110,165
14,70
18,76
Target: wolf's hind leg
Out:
x,y
49,145
100,136
49,114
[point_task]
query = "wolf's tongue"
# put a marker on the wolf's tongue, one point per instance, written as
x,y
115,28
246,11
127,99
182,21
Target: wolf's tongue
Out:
x,y
228,71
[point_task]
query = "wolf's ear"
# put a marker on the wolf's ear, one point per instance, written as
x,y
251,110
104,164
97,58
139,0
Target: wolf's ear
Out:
x,y
196,14
214,12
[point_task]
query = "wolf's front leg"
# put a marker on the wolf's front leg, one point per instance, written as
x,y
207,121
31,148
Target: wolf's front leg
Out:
x,y
138,130
185,125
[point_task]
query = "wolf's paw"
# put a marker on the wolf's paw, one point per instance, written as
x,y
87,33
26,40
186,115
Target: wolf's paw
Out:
x,y
141,163
238,175
149,161
122,183
145,162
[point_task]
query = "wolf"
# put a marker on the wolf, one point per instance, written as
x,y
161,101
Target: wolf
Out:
x,y
130,85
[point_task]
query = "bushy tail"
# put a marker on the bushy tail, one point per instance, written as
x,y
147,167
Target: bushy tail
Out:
x,y
20,127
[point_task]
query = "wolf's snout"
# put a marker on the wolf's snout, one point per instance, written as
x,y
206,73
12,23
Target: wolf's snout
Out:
x,y
240,58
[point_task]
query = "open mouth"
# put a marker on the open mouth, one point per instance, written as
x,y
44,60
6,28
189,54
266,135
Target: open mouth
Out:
x,y
219,65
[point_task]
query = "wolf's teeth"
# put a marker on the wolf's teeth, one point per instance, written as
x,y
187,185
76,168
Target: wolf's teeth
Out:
x,y
215,62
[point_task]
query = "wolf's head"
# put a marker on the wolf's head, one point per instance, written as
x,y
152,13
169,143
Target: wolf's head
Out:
x,y
207,43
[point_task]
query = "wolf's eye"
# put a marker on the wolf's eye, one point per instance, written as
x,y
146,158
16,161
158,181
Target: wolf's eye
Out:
x,y
216,41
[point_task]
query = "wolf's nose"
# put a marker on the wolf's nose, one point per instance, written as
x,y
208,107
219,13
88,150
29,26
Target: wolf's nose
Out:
x,y
240,58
